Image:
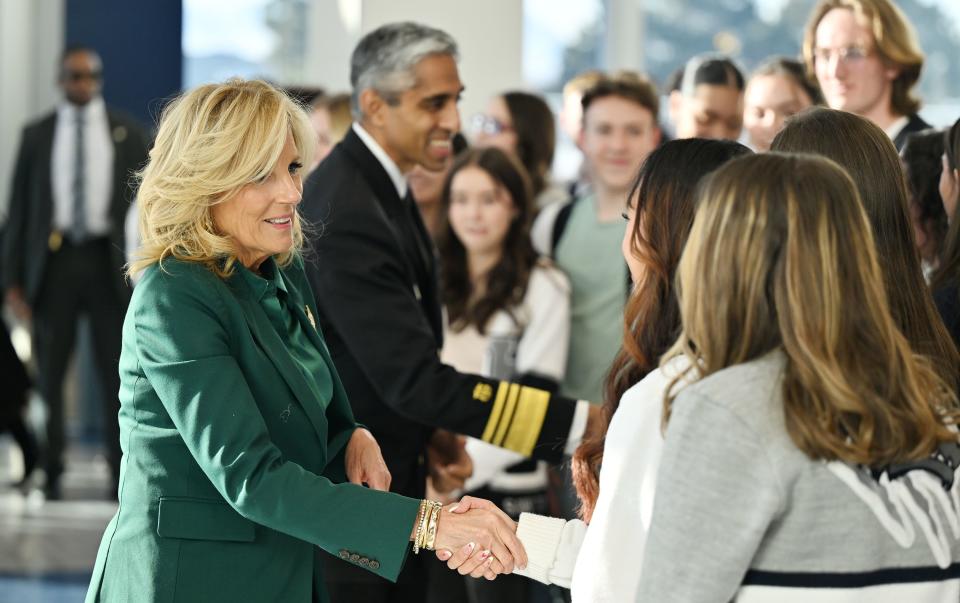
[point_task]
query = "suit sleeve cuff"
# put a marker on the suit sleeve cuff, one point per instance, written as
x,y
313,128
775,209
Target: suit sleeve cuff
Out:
x,y
555,430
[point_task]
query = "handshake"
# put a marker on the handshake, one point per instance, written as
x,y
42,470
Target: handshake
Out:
x,y
478,539
473,536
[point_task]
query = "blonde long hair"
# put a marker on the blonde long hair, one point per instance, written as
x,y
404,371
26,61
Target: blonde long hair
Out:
x,y
782,255
213,141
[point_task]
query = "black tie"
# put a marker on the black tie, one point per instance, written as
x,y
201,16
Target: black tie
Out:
x,y
417,232
78,230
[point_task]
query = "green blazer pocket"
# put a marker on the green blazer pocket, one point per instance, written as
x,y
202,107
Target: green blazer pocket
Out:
x,y
202,519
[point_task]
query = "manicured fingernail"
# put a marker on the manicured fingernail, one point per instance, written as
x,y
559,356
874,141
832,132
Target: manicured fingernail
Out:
x,y
454,507
484,554
444,555
469,546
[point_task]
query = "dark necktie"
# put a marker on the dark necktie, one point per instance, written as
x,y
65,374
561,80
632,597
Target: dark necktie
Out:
x,y
423,254
78,230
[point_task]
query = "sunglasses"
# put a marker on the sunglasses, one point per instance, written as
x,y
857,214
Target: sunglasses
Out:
x,y
79,76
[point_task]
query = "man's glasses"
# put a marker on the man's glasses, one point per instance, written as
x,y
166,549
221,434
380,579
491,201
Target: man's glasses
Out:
x,y
79,76
847,55
485,124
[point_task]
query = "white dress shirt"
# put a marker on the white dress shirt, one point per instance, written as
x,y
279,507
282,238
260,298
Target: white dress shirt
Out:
x,y
894,129
98,162
393,170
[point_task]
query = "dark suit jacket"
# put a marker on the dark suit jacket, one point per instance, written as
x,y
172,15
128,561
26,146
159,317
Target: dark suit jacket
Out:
x,y
30,219
915,123
380,313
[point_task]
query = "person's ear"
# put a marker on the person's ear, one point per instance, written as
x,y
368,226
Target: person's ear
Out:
x,y
372,107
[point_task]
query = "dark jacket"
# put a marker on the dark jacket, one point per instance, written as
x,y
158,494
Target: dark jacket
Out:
x,y
30,219
374,276
915,123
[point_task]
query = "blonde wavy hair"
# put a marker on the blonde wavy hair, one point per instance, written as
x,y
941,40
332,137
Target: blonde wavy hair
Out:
x,y
894,38
781,256
212,142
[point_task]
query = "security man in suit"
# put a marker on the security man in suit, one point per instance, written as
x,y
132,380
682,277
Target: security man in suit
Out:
x,y
63,253
374,276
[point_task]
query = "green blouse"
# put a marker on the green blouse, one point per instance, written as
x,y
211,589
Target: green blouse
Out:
x,y
271,291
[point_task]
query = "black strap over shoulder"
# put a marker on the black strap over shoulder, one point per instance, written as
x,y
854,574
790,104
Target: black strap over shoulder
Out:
x,y
559,225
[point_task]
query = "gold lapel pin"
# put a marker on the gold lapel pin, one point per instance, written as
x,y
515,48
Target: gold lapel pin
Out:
x,y
310,317
55,241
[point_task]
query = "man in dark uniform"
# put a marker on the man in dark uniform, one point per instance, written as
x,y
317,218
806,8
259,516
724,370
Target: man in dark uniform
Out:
x,y
374,276
63,251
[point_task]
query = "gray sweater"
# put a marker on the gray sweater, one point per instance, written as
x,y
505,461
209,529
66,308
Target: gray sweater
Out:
x,y
741,514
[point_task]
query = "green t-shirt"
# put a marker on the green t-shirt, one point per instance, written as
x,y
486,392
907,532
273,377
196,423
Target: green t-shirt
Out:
x,y
589,253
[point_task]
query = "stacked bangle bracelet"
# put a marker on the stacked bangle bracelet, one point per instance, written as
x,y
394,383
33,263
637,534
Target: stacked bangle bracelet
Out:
x,y
428,519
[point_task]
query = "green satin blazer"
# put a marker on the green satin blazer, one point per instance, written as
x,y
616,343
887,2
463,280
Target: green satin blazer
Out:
x,y
232,470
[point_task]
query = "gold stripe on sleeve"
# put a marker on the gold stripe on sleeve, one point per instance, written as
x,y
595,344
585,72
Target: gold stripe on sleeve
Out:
x,y
527,421
507,417
495,412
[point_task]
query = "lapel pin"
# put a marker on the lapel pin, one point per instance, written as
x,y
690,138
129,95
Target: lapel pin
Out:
x,y
55,241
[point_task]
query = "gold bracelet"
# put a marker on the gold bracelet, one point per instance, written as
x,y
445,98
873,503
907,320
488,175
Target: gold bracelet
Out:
x,y
430,539
429,508
421,520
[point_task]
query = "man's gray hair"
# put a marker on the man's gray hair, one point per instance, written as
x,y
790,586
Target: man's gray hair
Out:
x,y
385,58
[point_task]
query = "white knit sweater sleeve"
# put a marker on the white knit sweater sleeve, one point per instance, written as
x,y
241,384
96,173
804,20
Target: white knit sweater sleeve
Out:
x,y
552,546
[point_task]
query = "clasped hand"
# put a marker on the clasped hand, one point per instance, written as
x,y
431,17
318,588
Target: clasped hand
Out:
x,y
448,463
477,539
363,462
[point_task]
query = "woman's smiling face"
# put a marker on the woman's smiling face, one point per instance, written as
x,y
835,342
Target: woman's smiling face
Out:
x,y
261,216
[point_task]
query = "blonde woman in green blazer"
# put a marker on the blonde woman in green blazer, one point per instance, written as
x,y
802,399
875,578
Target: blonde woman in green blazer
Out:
x,y
241,457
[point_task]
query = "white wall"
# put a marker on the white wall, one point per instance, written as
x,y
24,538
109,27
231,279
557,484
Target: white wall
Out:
x,y
623,47
488,33
333,32
31,35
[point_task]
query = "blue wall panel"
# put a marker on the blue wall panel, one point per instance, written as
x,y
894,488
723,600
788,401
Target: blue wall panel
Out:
x,y
140,42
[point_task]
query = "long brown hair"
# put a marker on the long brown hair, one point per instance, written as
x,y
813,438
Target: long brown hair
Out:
x,y
922,165
506,283
532,121
868,155
663,195
949,271
782,256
